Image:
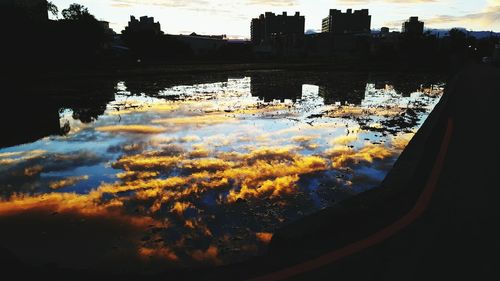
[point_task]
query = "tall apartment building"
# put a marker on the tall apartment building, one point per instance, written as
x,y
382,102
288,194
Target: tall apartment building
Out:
x,y
349,22
413,26
270,26
144,24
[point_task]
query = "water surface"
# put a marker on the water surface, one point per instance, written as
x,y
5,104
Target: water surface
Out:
x,y
200,174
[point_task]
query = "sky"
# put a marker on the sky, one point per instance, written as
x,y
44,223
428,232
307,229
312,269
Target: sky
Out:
x,y
232,17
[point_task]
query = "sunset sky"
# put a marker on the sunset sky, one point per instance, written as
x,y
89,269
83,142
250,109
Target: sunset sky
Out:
x,y
232,17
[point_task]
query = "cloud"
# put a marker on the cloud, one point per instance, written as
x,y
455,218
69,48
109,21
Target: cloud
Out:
x,y
67,182
132,129
24,173
364,2
33,171
209,254
174,182
488,18
264,237
180,207
344,140
343,156
161,3
191,138
158,253
306,141
204,120
9,158
411,1
278,3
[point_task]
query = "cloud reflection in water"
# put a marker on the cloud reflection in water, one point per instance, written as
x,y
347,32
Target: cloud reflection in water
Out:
x,y
204,178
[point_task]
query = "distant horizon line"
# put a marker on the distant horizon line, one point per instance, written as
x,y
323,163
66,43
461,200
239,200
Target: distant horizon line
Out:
x,y
311,31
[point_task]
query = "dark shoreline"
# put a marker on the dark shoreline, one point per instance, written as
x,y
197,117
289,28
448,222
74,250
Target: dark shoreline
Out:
x,y
206,68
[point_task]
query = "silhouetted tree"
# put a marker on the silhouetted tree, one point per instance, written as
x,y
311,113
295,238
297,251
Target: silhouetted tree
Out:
x,y
52,8
76,12
78,38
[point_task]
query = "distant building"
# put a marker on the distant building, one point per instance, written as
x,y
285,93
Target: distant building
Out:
x,y
349,22
269,27
144,25
203,44
413,27
384,31
33,10
108,30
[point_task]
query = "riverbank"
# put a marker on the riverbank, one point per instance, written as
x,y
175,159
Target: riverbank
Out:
x,y
137,70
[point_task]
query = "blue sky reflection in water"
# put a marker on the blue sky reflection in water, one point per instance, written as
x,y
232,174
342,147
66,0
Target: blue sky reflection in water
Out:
x,y
203,174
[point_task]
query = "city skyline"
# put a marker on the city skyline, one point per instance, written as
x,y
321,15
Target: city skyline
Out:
x,y
233,17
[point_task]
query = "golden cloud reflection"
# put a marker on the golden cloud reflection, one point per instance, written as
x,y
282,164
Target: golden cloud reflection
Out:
x,y
133,129
210,119
9,158
67,182
265,237
200,180
343,157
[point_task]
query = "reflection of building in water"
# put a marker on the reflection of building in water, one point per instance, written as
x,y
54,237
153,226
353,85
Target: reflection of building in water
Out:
x,y
403,84
153,86
351,91
275,88
407,87
333,87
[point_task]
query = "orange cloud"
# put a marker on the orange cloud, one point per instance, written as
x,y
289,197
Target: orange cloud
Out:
x,y
180,207
161,252
343,156
209,255
9,158
140,161
67,182
344,140
209,119
32,171
264,237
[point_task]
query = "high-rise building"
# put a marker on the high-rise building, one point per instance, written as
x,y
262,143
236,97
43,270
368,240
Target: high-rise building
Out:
x,y
270,26
384,31
337,22
144,25
413,26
